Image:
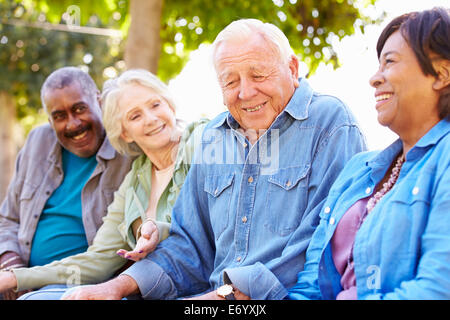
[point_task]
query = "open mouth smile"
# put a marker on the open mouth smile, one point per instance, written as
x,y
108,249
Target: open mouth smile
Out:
x,y
156,131
383,97
254,109
80,136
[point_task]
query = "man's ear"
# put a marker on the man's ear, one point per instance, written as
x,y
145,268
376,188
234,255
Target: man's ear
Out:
x,y
293,66
442,67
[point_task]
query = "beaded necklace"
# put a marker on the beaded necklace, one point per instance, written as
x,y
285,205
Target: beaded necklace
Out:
x,y
387,185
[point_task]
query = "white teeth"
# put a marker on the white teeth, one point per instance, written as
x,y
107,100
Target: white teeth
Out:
x,y
80,136
156,131
254,109
383,96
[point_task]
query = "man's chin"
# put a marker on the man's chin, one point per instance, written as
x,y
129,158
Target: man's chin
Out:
x,y
84,151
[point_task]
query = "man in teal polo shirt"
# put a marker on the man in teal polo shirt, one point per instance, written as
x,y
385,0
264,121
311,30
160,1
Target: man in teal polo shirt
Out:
x,y
64,180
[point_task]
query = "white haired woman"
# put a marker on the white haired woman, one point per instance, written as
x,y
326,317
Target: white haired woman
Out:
x,y
139,118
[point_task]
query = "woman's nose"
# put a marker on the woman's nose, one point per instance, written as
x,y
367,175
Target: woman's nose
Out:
x,y
376,79
150,117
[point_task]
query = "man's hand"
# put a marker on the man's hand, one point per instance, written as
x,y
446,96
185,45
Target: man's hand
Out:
x,y
146,243
114,289
8,281
238,295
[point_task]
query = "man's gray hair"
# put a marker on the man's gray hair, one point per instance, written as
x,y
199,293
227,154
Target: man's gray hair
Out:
x,y
112,117
246,28
64,77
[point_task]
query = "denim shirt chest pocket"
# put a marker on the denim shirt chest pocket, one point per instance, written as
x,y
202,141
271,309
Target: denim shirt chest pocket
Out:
x,y
411,204
219,189
288,186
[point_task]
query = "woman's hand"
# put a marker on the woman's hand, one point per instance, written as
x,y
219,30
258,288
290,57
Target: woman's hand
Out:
x,y
146,243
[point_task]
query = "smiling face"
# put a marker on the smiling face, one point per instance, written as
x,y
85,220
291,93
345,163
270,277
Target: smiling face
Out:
x,y
76,118
256,85
405,99
147,119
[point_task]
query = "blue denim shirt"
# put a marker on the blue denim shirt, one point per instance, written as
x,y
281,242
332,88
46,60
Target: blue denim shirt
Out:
x,y
402,250
248,212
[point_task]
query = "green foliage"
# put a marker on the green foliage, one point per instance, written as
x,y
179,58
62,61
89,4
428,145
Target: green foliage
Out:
x,y
310,26
28,54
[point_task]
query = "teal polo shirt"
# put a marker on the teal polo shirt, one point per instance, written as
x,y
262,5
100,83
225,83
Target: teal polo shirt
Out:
x,y
60,232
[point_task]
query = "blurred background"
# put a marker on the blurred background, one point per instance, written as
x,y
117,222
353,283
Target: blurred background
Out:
x,y
334,39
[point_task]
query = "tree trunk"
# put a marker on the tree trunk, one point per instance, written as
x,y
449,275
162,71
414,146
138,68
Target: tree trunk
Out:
x,y
143,44
8,141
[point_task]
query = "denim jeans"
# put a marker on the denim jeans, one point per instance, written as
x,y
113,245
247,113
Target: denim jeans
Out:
x,y
50,292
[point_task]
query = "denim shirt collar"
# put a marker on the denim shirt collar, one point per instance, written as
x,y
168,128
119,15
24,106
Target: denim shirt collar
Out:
x,y
435,134
297,107
384,158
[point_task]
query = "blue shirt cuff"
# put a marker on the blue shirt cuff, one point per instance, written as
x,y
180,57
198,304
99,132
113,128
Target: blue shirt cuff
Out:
x,y
257,282
151,279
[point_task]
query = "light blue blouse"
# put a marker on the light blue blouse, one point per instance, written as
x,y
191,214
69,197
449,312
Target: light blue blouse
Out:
x,y
402,250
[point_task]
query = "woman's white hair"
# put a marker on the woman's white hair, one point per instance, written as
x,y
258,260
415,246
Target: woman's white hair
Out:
x,y
112,117
245,28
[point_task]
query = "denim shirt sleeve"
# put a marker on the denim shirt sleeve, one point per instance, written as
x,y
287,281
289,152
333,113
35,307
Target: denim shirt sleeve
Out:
x,y
261,281
182,263
307,286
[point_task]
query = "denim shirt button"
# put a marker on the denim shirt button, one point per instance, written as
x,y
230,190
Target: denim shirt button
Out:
x,y
415,190
327,210
244,219
368,190
250,179
332,220
238,259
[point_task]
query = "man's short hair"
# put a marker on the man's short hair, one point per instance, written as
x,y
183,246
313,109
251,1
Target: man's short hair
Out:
x,y
245,28
64,77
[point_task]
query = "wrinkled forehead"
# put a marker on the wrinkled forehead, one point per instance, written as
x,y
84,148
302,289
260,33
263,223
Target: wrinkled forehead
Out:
x,y
255,49
68,96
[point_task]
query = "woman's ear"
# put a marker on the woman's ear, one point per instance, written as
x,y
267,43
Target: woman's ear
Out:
x,y
125,137
442,67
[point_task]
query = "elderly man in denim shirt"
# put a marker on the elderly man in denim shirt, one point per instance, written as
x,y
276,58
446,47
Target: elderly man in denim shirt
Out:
x,y
251,200
64,180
